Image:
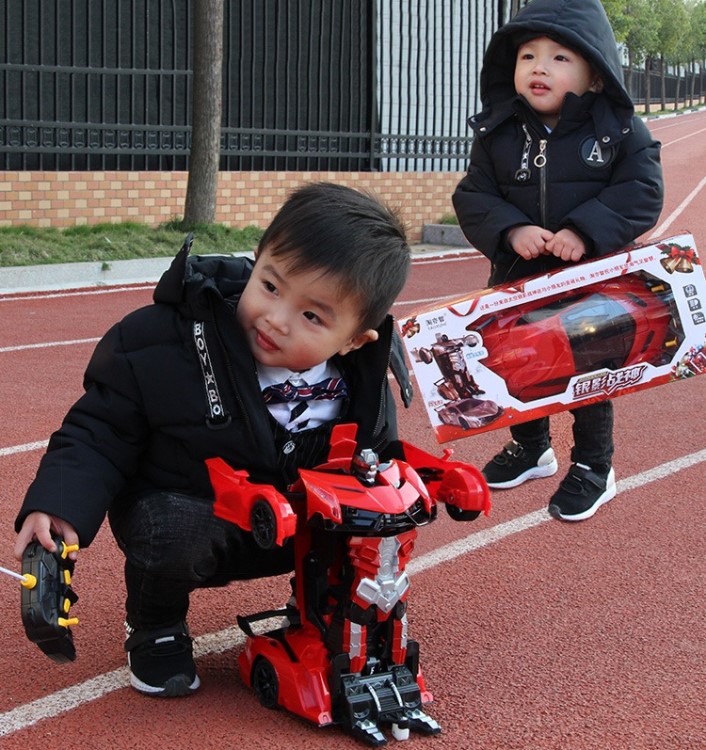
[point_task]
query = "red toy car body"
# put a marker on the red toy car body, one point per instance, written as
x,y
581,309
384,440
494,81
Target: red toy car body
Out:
x,y
538,347
343,656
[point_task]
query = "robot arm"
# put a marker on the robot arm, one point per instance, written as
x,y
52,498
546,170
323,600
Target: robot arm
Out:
x,y
460,486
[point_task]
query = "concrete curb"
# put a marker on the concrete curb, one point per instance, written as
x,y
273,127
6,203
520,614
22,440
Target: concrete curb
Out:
x,y
62,276
16,279
58,276
444,234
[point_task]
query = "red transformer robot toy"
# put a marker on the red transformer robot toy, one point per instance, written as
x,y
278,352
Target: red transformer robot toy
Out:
x,y
342,655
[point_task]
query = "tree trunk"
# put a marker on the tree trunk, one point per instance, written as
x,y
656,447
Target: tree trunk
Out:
x,y
676,90
648,82
662,85
628,74
207,94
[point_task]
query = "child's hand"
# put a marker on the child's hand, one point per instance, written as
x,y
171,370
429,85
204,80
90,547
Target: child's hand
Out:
x,y
39,526
529,241
567,245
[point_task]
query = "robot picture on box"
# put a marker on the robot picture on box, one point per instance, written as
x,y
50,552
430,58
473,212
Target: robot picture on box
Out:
x,y
462,405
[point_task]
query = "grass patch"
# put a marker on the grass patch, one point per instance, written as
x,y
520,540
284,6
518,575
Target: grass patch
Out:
x,y
29,246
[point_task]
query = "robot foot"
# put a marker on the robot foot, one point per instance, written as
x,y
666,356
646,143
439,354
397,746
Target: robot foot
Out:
x,y
369,732
388,699
400,728
421,722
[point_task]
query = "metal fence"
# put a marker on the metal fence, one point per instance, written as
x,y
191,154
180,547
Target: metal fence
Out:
x,y
307,85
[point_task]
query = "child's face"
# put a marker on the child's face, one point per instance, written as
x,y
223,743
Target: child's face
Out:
x,y
546,71
298,320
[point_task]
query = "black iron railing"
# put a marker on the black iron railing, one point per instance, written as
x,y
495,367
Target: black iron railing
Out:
x,y
308,84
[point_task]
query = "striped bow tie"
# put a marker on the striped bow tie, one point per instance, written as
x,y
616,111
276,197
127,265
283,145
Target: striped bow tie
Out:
x,y
327,390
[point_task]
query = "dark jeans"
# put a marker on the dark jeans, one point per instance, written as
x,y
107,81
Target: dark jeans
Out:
x,y
593,435
174,544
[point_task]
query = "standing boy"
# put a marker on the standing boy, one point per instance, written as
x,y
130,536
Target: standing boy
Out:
x,y
197,375
561,170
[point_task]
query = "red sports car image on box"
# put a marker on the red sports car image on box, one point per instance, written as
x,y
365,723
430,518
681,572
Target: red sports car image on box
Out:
x,y
538,347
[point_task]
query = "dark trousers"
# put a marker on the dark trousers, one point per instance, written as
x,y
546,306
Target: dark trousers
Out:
x,y
174,544
593,435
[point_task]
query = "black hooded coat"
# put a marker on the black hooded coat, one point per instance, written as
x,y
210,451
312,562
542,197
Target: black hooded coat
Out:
x,y
602,176
145,422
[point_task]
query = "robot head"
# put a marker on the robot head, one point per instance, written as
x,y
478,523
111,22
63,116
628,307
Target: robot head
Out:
x,y
365,465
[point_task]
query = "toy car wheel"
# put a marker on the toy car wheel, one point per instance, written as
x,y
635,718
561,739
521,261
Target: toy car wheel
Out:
x,y
463,423
458,514
265,682
264,524
426,356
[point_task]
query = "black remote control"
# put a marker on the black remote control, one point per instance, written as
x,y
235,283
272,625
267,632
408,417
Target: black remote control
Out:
x,y
47,597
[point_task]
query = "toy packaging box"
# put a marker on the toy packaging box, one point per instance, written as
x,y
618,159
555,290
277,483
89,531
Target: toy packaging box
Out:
x,y
548,343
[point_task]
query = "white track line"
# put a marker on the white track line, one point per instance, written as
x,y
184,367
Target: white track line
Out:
x,y
47,345
23,296
426,300
11,450
75,696
683,138
678,211
664,226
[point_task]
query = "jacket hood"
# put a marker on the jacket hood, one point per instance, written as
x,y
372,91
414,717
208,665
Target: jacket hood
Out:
x,y
192,281
580,24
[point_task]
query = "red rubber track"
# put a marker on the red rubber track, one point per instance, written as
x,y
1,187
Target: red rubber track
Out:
x,y
534,634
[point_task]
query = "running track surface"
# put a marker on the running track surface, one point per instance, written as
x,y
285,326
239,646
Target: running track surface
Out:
x,y
534,633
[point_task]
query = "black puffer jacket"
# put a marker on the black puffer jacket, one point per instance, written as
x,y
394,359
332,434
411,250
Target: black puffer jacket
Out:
x,y
602,176
145,422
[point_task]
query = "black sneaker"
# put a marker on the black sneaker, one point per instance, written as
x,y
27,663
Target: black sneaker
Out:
x,y
581,493
161,661
515,465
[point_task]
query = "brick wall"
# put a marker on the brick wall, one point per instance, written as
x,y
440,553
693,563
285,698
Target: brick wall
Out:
x,y
62,199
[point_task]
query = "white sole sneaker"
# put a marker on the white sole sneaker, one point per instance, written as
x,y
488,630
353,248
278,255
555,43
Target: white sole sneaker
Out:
x,y
547,466
175,687
610,492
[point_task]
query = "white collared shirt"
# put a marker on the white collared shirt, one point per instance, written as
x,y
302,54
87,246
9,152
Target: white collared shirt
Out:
x,y
319,411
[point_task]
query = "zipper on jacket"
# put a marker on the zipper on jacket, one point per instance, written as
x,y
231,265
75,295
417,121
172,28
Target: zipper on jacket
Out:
x,y
540,161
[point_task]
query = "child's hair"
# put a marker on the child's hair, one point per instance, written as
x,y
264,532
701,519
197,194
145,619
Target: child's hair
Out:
x,y
349,234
